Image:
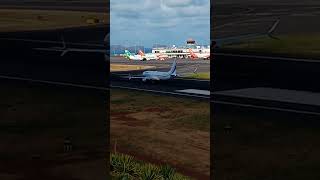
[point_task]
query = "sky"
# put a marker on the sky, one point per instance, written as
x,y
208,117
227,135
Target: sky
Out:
x,y
168,22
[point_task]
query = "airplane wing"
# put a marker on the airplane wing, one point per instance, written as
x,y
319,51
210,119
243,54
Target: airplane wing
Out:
x,y
64,49
51,42
235,39
133,77
153,78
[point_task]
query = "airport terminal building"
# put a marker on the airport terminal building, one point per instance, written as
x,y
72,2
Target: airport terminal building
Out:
x,y
181,52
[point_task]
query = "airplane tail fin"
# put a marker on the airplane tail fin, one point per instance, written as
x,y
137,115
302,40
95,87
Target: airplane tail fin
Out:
x,y
173,70
272,29
64,46
64,52
141,53
195,70
192,53
127,53
106,38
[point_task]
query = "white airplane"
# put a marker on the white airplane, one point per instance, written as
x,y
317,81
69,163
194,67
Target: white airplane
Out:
x,y
230,40
148,56
64,50
129,56
152,56
199,55
162,57
157,75
99,48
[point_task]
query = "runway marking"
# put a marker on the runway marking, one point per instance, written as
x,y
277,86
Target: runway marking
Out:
x,y
195,91
181,78
189,79
161,92
54,83
271,57
266,107
275,94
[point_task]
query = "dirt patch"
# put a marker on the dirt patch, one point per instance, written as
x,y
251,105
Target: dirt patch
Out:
x,y
157,109
125,118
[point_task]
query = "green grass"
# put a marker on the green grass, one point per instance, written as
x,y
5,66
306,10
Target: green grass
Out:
x,y
204,75
126,167
291,45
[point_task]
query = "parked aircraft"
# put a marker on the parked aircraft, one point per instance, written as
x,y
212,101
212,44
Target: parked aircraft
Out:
x,y
157,75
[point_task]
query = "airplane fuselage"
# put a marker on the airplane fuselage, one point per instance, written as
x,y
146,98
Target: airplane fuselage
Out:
x,y
150,56
135,57
202,56
157,75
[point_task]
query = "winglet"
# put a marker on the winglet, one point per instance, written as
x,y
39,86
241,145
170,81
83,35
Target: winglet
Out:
x,y
106,38
63,43
64,52
195,70
272,29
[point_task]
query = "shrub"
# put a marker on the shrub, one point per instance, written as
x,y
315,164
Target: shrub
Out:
x,y
125,167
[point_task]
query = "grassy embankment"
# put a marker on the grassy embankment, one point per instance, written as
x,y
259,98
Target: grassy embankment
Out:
x,y
202,75
162,130
294,45
27,20
122,67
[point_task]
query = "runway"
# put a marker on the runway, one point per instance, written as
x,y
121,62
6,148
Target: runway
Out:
x,y
176,87
240,71
261,82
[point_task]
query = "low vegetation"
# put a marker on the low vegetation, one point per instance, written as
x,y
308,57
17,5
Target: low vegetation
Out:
x,y
122,67
27,20
126,167
202,75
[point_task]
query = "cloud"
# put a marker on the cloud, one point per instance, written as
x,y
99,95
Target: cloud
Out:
x,y
150,21
176,3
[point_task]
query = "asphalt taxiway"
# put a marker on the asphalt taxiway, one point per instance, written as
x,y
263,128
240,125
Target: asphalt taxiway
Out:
x,y
187,87
176,87
184,66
